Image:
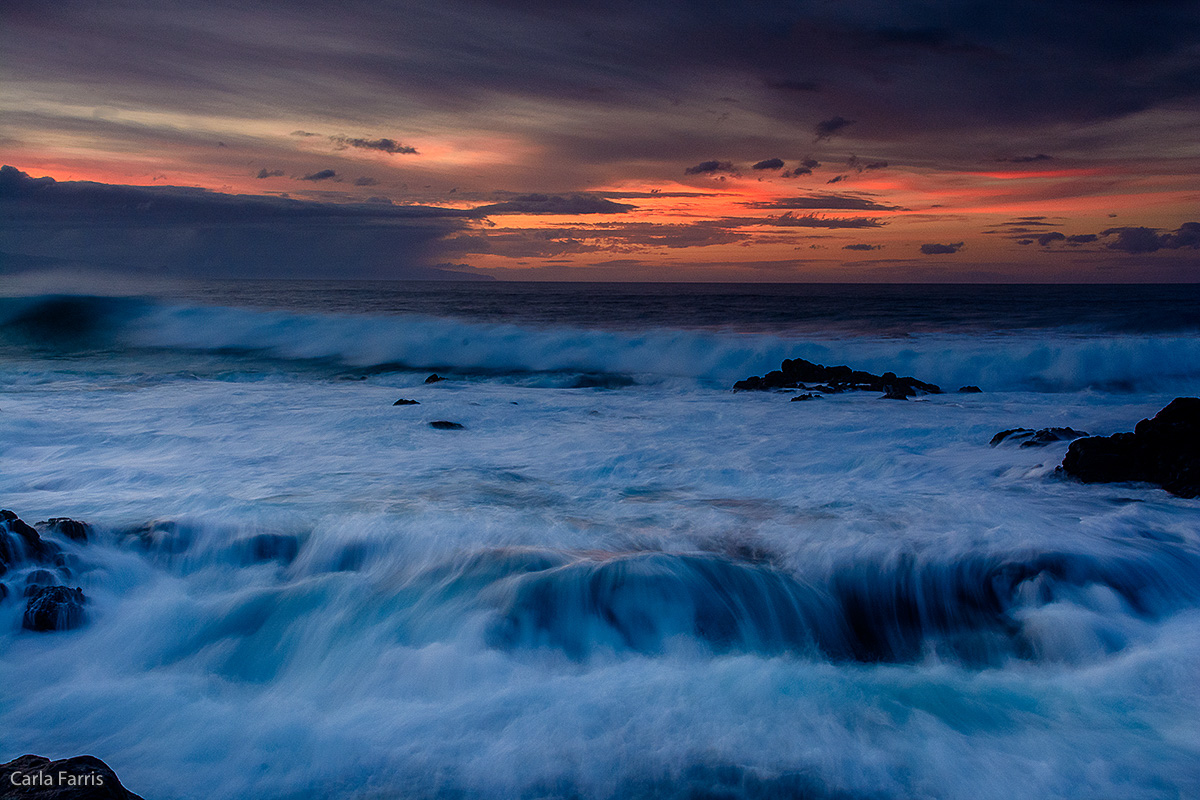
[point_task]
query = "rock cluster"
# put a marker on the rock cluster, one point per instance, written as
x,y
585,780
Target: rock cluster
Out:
x,y
796,373
1164,450
50,605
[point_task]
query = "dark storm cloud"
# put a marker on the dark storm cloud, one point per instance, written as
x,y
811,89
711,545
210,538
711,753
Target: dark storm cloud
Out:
x,y
918,73
837,179
196,232
709,168
770,163
863,247
823,201
797,172
554,204
365,180
790,220
941,249
382,145
1080,239
1047,238
1026,159
322,175
827,128
269,173
1148,240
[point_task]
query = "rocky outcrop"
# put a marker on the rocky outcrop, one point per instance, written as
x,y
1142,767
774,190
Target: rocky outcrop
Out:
x,y
434,378
796,373
80,778
969,390
405,402
446,425
1028,437
1164,450
49,606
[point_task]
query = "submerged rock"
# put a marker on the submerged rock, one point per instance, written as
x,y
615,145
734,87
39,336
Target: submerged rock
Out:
x,y
1164,450
70,528
446,425
1039,438
796,373
404,402
434,378
807,396
54,608
33,777
969,390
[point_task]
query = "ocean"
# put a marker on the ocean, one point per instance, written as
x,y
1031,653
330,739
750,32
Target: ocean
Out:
x,y
618,578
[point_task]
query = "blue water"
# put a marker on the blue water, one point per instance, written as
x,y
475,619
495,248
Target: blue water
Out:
x,y
619,578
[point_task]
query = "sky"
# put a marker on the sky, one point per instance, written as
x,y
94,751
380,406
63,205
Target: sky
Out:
x,y
831,140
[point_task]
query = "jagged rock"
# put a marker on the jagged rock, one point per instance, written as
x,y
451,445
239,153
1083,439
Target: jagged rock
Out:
x,y
54,608
969,390
403,402
1040,438
1164,450
33,777
807,396
434,378
446,425
796,373
72,529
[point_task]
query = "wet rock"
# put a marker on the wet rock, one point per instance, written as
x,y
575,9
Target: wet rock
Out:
x,y
969,390
38,579
21,542
796,373
33,777
807,396
446,425
403,402
54,608
70,528
269,547
1039,438
434,378
1164,450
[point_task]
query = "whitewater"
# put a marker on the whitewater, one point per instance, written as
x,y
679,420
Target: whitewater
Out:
x,y
619,578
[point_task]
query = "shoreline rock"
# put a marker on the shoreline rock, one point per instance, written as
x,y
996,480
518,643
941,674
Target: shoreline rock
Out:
x,y
1164,450
33,777
796,373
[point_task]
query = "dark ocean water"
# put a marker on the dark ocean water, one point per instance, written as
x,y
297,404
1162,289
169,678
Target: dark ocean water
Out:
x,y
774,308
618,578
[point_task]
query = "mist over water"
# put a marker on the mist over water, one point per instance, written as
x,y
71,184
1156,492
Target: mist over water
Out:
x,y
619,579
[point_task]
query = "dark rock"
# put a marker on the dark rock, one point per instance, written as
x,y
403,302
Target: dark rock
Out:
x,y
897,391
808,396
1164,450
446,425
1040,438
269,547
969,390
403,402
796,373
54,608
70,528
3,592
434,378
20,542
80,778
166,537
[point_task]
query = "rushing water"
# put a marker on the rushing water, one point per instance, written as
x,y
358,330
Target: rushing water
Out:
x,y
618,579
